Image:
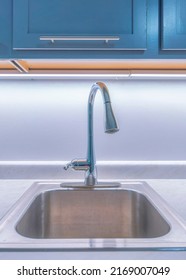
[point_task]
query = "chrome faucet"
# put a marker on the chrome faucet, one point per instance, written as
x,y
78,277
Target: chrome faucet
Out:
x,y
89,164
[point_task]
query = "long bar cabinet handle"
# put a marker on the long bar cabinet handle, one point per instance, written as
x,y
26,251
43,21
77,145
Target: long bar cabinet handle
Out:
x,y
79,38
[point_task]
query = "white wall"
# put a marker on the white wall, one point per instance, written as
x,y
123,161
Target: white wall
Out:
x,y
47,120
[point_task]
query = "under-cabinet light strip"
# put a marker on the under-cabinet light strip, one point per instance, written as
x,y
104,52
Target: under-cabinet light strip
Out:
x,y
120,74
69,75
158,74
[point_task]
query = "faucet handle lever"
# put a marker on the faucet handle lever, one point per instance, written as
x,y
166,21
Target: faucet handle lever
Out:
x,y
78,164
67,166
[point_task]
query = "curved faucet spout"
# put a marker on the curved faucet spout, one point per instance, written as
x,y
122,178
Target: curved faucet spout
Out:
x,y
111,126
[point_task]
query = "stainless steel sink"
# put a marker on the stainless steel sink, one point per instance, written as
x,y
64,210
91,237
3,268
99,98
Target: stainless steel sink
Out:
x,y
92,214
126,215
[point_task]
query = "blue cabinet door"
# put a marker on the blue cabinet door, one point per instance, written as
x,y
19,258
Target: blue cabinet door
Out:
x,y
79,24
5,28
174,25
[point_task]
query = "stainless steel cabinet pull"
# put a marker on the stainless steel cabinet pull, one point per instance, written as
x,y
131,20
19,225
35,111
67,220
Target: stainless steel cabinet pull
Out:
x,y
79,38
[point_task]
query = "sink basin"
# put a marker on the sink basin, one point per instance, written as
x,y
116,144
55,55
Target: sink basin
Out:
x,y
126,216
92,214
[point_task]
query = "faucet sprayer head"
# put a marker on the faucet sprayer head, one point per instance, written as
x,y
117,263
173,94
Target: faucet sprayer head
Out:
x,y
111,125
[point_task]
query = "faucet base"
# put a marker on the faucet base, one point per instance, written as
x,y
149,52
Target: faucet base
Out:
x,y
90,180
81,185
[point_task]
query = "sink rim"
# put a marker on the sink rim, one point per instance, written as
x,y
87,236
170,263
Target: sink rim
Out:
x,y
9,238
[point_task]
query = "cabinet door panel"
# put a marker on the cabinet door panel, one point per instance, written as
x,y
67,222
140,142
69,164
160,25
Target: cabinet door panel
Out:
x,y
174,25
79,24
